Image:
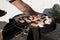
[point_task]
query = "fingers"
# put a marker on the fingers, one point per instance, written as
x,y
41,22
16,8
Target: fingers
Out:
x,y
32,20
37,24
36,21
41,24
36,18
27,20
34,25
21,21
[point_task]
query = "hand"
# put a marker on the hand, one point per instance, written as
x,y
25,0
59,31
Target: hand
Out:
x,y
33,22
37,23
36,20
40,22
30,19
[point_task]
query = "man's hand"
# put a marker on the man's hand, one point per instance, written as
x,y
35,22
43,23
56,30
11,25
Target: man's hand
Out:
x,y
37,21
32,21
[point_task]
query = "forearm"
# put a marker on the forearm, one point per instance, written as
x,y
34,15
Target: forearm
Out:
x,y
23,7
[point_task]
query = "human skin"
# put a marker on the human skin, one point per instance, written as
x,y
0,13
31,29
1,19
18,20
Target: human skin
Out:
x,y
27,10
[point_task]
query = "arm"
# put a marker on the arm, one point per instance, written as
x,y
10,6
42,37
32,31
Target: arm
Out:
x,y
26,9
23,7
